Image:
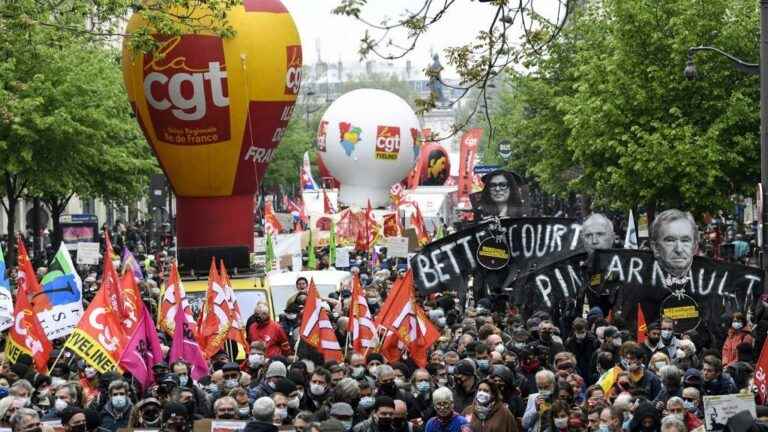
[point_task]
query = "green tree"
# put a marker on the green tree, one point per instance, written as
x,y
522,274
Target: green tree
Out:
x,y
284,168
65,126
607,112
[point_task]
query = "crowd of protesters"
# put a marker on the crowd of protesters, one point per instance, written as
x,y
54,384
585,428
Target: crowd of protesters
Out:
x,y
491,370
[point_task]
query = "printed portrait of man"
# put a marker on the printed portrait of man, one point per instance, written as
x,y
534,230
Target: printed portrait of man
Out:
x,y
597,233
674,241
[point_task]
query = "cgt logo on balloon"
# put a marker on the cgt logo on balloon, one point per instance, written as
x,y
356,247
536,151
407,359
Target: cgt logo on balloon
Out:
x,y
293,73
387,142
185,84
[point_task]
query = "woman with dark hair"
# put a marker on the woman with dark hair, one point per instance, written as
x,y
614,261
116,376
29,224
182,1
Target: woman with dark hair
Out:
x,y
500,197
488,412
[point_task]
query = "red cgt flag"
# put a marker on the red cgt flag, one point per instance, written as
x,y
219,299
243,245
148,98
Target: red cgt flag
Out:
x,y
327,207
236,328
421,229
760,379
215,321
316,329
360,326
406,321
27,336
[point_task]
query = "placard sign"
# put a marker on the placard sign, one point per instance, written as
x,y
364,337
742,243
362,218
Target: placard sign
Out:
x,y
88,253
718,409
397,247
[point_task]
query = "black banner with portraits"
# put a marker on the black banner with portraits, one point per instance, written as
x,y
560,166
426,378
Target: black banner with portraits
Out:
x,y
529,243
706,292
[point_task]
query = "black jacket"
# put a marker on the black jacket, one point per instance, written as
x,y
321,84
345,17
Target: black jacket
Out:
x,y
583,350
260,426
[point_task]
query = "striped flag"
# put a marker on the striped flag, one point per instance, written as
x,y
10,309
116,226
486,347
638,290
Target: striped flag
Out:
x,y
360,326
316,329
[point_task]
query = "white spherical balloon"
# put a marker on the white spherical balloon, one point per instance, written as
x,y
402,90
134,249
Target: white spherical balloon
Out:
x,y
368,139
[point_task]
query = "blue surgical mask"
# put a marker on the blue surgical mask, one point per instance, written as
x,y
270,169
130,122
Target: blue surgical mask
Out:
x,y
423,387
689,406
483,364
119,401
366,402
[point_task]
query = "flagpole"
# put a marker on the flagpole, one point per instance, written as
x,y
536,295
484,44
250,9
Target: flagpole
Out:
x,y
58,357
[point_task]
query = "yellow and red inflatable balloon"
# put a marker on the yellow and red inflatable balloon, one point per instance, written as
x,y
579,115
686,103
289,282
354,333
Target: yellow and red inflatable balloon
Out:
x,y
214,111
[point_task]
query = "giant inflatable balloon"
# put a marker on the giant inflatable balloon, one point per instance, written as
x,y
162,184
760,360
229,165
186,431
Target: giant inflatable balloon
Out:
x,y
369,140
214,111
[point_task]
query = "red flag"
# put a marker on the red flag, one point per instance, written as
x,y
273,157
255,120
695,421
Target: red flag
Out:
x,y
236,328
467,154
407,321
171,301
368,216
271,223
761,375
27,335
316,329
215,320
418,224
360,325
327,207
641,327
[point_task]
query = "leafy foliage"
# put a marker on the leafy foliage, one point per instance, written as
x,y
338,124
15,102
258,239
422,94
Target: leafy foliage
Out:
x,y
607,112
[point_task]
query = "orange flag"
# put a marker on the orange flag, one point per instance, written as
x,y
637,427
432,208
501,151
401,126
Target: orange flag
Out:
x,y
100,336
316,329
271,223
418,224
641,327
236,328
170,302
215,321
27,336
407,321
360,326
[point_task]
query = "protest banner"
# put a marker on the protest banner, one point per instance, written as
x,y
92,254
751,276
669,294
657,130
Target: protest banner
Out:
x,y
718,409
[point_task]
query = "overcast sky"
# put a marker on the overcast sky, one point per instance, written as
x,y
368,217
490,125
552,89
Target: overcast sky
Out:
x,y
338,37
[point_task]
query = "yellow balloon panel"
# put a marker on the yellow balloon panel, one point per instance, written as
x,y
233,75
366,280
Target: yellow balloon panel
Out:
x,y
214,109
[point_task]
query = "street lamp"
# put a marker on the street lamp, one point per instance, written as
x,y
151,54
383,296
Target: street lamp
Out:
x,y
754,69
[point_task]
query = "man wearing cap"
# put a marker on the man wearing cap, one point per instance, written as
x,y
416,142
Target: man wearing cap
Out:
x,y
343,412
264,329
464,384
275,372
381,416
175,418
263,414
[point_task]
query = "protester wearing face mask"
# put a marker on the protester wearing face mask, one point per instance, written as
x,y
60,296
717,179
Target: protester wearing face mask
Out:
x,y
146,414
488,412
692,401
281,410
115,413
262,328
243,405
256,359
25,420
225,408
381,416
446,420
668,339
634,363
538,411
343,412
181,370
676,408
385,383
582,344
175,418
548,337
464,384
357,369
73,419
610,420
275,371
64,397
421,387
318,390
740,332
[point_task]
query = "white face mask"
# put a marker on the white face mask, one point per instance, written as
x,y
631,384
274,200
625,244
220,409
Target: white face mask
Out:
x,y
737,325
255,360
561,422
60,405
281,413
666,334
317,389
483,397
294,403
